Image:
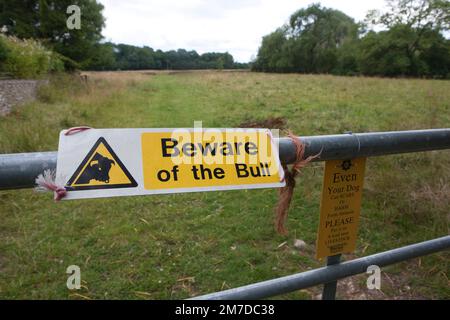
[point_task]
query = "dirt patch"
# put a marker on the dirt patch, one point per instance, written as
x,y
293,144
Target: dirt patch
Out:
x,y
270,123
393,287
185,285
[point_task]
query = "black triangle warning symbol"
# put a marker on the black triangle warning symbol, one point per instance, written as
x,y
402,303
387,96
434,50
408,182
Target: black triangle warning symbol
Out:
x,y
101,169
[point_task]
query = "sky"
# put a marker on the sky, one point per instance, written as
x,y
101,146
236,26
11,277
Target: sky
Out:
x,y
230,26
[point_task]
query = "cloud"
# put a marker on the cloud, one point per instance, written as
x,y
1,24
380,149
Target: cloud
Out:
x,y
208,25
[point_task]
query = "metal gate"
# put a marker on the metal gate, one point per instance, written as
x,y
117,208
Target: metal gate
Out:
x,y
20,170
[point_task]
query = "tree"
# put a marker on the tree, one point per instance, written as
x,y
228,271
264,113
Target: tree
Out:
x,y
384,54
388,53
323,40
417,14
46,20
347,59
320,32
309,43
436,55
20,18
273,54
134,58
104,58
413,43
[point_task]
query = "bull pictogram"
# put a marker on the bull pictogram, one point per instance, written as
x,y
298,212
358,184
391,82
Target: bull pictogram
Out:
x,y
98,169
101,169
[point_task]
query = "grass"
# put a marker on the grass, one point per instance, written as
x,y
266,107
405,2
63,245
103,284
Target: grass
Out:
x,y
178,246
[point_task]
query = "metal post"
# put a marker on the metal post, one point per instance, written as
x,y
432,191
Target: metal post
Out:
x,y
329,288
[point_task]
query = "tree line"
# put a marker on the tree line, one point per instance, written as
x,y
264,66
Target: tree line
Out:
x,y
112,56
410,41
84,48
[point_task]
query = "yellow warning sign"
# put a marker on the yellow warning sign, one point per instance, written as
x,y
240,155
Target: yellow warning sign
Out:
x,y
100,169
210,160
340,207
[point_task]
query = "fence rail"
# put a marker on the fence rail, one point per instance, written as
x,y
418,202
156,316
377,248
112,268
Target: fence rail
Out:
x,y
319,276
19,171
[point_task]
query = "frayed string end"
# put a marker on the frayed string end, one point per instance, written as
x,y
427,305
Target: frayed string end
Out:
x,y
46,182
286,193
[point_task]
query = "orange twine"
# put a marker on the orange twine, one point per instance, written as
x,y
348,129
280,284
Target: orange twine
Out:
x,y
286,193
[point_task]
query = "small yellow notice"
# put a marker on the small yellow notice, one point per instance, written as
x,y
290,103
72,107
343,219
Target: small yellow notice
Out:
x,y
340,207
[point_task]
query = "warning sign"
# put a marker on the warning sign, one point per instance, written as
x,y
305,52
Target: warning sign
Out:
x,y
221,158
100,169
122,162
340,207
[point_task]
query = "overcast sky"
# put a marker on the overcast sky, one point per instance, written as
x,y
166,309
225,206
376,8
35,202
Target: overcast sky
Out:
x,y
209,25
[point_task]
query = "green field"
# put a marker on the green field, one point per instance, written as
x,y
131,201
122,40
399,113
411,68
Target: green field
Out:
x,y
178,246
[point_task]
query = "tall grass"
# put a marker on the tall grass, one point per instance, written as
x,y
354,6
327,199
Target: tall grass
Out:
x,y
177,246
26,58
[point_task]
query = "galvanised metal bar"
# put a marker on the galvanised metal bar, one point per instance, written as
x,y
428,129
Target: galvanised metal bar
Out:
x,y
349,146
328,274
20,170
